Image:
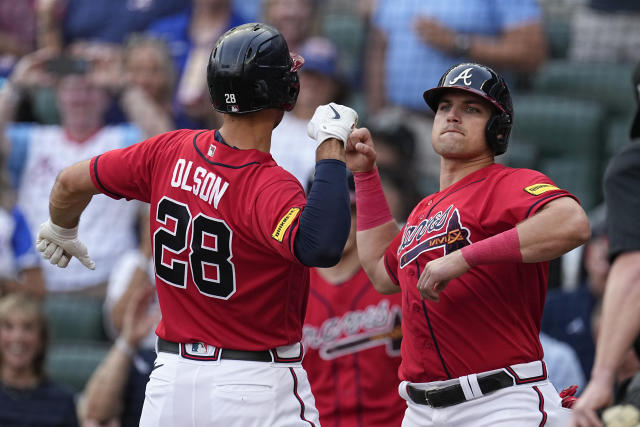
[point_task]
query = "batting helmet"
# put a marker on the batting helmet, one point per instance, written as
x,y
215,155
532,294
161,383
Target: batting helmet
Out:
x,y
250,69
484,82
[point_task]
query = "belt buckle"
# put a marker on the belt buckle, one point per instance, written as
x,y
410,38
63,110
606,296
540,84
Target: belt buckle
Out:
x,y
426,397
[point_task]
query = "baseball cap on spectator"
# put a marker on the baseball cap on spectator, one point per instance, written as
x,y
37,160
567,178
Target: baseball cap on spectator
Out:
x,y
635,127
321,56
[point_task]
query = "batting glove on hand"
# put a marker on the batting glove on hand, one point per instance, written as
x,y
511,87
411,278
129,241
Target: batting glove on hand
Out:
x,y
332,121
59,244
567,396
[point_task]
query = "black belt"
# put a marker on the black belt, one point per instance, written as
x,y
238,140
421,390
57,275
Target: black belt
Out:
x,y
453,394
251,356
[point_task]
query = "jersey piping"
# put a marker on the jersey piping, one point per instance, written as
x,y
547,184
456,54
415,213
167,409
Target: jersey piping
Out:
x,y
195,146
95,171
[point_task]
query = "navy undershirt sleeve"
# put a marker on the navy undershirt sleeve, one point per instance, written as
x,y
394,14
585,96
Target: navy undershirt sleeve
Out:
x,y
326,219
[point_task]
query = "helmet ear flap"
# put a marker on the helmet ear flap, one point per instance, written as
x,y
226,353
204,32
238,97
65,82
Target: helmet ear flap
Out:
x,y
497,132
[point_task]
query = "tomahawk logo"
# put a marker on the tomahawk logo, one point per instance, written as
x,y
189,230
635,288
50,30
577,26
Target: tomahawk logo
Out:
x,y
466,74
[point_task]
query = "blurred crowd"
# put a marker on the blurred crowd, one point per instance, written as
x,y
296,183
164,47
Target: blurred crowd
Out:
x,y
81,77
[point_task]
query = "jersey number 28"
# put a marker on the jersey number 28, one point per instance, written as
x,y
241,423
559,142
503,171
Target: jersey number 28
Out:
x,y
212,254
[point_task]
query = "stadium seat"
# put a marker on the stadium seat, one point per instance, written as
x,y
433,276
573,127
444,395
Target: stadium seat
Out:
x,y
521,155
559,125
617,135
73,363
558,32
564,130
577,177
75,318
607,83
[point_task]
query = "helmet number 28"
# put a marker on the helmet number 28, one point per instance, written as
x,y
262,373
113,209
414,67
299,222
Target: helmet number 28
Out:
x,y
230,98
209,253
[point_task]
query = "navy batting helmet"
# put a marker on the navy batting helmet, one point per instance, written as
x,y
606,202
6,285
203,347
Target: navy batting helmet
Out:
x,y
484,82
250,69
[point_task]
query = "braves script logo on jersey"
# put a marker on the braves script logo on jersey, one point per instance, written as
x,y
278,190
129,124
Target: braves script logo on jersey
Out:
x,y
466,74
355,331
425,237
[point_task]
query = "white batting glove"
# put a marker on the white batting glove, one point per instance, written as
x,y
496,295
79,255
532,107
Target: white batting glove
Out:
x,y
59,245
332,121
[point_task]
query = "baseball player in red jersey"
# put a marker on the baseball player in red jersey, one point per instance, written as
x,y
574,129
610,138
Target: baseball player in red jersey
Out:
x,y
470,317
352,337
233,237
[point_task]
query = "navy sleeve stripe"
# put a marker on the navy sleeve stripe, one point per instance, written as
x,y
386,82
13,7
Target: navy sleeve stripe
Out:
x,y
390,273
104,189
554,195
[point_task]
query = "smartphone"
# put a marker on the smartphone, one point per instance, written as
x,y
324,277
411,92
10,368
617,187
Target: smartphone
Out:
x,y
67,65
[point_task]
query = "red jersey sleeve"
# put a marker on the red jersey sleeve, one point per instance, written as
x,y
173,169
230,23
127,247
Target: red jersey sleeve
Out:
x,y
391,258
522,192
277,213
127,172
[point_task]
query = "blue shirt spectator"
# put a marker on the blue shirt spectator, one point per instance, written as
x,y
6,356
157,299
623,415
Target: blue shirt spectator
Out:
x,y
175,30
112,21
411,65
47,405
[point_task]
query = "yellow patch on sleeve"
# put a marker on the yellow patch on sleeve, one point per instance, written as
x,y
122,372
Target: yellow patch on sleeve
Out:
x,y
284,224
538,189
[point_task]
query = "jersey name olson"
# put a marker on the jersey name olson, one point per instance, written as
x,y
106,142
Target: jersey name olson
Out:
x,y
204,184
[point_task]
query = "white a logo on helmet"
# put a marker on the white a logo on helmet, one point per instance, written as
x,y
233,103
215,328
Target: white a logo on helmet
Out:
x,y
466,74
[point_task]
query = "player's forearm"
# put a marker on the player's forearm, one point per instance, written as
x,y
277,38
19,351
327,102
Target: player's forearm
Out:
x,y
557,228
71,194
145,113
331,148
372,245
522,49
620,322
326,219
104,391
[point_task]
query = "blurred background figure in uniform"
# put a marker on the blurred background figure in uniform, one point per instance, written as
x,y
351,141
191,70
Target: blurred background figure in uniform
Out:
x,y
352,335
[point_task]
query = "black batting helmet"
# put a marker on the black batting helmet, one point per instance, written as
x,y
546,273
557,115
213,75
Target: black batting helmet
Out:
x,y
485,82
250,69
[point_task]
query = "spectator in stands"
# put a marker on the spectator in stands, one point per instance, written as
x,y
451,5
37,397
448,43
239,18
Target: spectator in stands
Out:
x,y
352,338
295,19
412,41
191,34
39,152
606,31
115,391
108,21
19,264
568,314
150,73
18,32
320,83
27,396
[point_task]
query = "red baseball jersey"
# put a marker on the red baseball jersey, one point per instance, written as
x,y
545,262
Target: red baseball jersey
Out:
x,y
489,317
352,338
223,222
